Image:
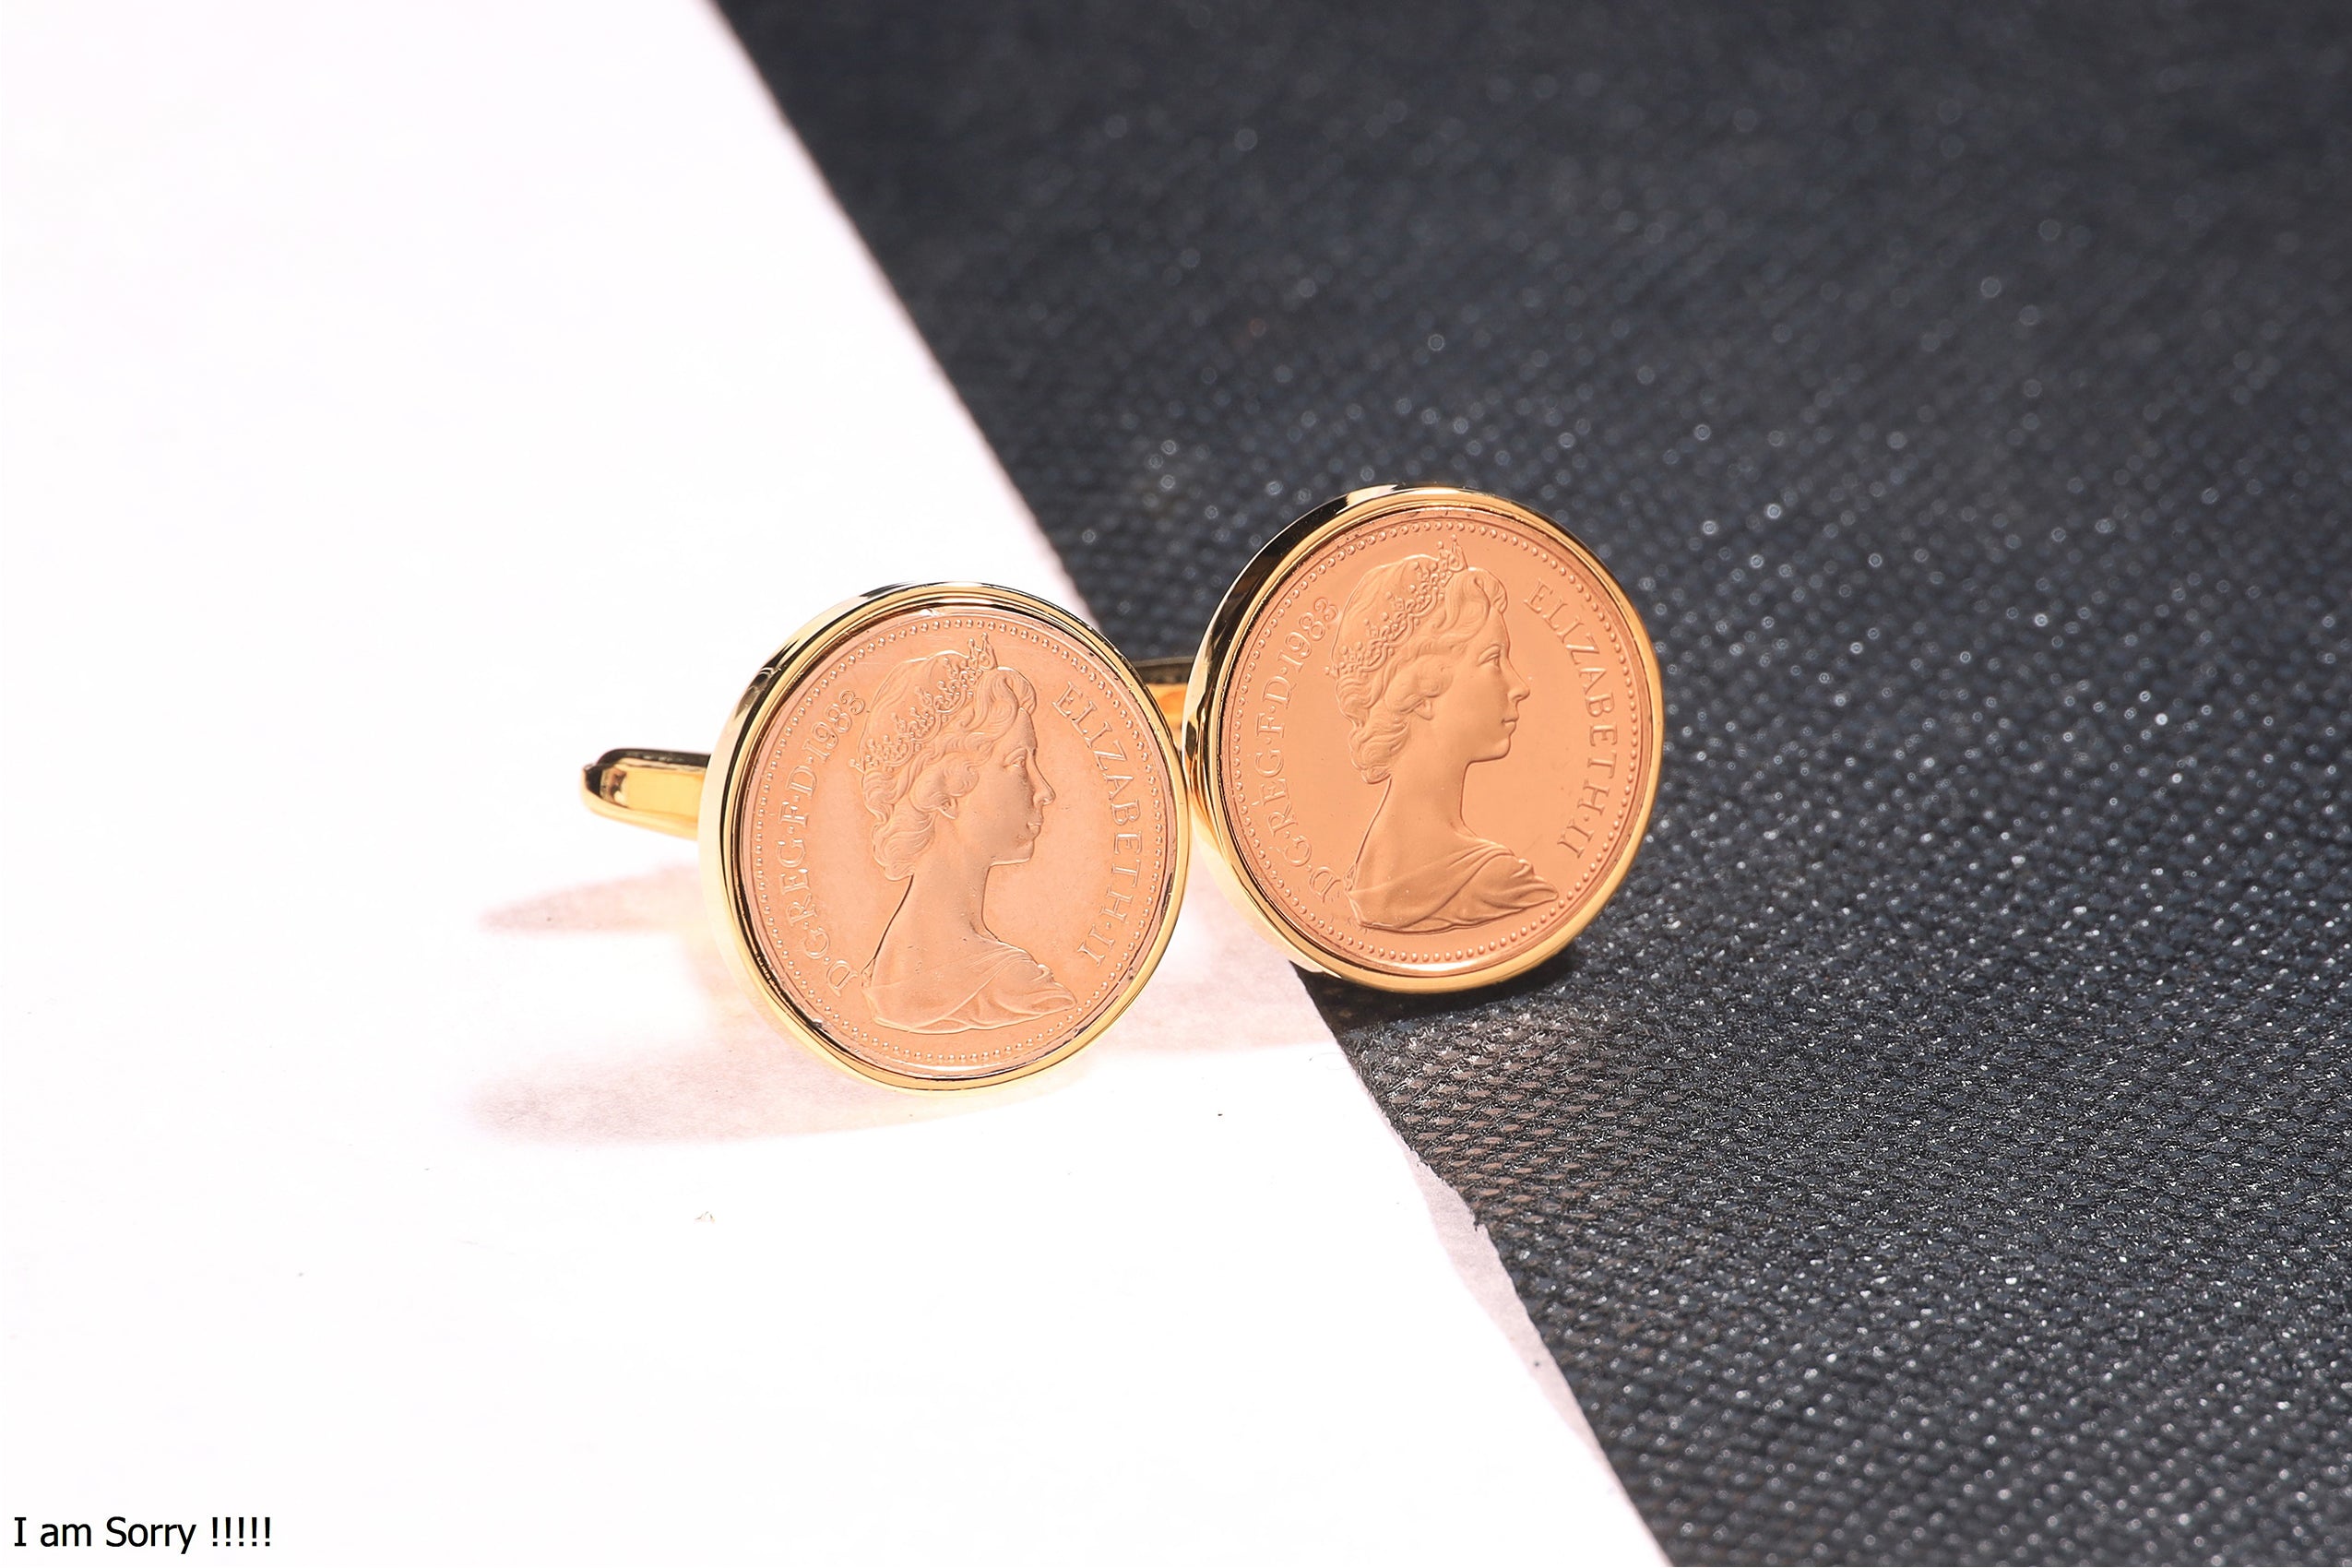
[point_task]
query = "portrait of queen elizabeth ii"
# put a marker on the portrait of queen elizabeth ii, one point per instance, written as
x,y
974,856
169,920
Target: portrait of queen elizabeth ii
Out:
x,y
1423,672
948,767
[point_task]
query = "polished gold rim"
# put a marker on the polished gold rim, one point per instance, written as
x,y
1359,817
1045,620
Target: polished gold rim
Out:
x,y
724,787
1208,686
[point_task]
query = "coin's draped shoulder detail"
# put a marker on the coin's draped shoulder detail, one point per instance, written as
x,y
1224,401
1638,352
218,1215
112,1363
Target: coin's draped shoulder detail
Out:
x,y
955,843
1438,745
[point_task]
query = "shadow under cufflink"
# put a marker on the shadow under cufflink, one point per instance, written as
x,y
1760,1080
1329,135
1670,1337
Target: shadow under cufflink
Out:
x,y
1219,989
733,1077
1348,1005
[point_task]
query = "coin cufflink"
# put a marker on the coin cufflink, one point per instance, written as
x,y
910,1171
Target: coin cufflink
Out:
x,y
944,836
1423,734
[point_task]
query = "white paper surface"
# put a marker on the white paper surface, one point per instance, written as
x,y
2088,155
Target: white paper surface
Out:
x,y
401,404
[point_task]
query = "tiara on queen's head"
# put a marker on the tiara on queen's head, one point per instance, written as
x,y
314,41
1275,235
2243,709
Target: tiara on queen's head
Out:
x,y
891,738
1425,580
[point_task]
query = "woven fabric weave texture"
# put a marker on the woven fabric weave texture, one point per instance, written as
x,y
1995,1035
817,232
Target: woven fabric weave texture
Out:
x,y
1938,1152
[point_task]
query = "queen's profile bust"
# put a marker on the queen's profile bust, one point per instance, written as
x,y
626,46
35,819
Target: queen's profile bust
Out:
x,y
949,771
1424,676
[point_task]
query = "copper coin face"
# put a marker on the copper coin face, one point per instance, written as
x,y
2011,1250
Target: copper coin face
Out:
x,y
957,835
1431,741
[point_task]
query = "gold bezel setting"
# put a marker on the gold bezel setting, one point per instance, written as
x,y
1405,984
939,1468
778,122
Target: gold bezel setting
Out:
x,y
1209,690
704,797
724,787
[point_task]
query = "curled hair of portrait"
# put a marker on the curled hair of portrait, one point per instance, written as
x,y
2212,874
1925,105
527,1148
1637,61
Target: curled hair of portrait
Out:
x,y
1400,636
931,723
914,700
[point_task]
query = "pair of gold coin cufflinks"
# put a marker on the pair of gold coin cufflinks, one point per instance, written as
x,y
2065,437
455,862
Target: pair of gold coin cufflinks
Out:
x,y
945,835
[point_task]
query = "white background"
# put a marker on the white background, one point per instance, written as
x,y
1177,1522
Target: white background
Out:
x,y
401,404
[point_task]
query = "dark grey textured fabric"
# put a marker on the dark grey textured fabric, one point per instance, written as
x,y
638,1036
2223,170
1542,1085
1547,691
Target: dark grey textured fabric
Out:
x,y
1939,1150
